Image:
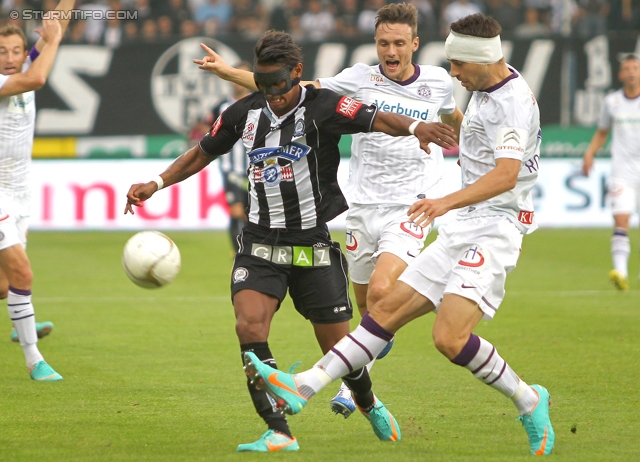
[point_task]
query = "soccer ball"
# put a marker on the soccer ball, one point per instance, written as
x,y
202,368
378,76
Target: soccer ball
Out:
x,y
151,259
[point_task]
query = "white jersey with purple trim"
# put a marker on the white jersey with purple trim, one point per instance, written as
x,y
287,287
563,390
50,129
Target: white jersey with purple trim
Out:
x,y
502,122
17,125
622,115
394,170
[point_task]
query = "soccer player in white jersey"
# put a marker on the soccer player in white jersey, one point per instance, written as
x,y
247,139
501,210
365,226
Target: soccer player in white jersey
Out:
x,y
462,274
20,74
621,114
387,174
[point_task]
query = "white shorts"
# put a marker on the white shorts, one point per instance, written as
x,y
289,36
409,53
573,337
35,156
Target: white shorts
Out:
x,y
374,229
470,258
623,197
14,219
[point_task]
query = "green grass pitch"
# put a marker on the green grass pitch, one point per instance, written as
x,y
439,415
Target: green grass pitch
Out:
x,y
155,375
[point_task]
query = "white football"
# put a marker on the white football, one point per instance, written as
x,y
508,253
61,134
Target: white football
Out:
x,y
151,259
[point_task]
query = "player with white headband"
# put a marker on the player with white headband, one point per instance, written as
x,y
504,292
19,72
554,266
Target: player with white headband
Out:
x,y
461,275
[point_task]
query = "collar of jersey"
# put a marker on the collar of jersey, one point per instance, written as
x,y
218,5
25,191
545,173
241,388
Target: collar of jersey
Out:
x,y
275,119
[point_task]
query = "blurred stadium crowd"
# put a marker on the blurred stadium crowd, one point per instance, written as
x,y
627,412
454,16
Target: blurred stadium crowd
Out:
x,y
319,20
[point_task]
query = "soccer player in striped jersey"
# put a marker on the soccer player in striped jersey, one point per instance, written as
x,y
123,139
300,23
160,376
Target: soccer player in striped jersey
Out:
x,y
462,274
387,174
291,134
20,75
621,115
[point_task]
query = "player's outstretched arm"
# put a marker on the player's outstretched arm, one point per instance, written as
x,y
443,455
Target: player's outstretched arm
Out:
x,y
183,167
598,140
399,125
214,63
64,6
36,76
502,178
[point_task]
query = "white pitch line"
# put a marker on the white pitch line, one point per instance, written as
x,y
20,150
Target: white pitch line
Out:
x,y
573,293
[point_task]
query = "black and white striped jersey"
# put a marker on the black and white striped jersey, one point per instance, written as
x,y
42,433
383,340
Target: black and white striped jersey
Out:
x,y
293,159
236,162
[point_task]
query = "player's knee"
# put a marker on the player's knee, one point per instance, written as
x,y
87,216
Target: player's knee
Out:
x,y
21,277
447,342
377,291
251,329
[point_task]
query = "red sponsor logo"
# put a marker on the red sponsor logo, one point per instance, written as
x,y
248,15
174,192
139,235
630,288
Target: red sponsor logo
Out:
x,y
412,229
525,217
472,258
352,242
348,107
216,126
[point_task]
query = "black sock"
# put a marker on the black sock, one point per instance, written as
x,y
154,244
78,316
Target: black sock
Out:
x,y
274,418
359,383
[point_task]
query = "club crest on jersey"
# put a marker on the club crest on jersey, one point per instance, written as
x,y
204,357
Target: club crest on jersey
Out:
x,y
240,274
412,229
298,130
348,107
351,242
424,91
472,259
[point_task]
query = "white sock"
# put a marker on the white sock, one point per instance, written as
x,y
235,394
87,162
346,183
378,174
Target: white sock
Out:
x,y
484,362
620,251
23,317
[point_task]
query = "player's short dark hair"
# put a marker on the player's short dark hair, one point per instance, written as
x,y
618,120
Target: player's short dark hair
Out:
x,y
398,13
12,29
277,47
629,57
477,25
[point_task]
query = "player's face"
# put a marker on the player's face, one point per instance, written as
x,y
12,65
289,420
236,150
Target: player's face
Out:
x,y
630,74
395,46
472,76
281,104
12,54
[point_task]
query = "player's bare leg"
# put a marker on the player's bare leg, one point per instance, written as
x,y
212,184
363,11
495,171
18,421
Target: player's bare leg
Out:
x,y
387,269
453,337
254,312
15,265
620,251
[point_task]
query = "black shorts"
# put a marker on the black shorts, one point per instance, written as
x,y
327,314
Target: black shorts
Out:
x,y
234,190
306,262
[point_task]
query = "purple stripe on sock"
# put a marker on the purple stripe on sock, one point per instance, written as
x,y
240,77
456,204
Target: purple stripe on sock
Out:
x,y
504,367
19,291
24,317
364,348
375,328
620,232
468,352
493,350
341,356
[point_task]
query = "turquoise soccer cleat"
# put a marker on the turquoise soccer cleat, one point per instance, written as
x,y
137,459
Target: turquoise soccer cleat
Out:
x,y
42,372
343,403
279,385
384,424
271,441
42,329
538,424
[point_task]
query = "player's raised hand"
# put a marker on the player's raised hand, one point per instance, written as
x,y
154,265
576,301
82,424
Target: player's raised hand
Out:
x,y
138,193
438,133
424,211
51,31
213,62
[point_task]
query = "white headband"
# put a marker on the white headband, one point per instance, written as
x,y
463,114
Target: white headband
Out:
x,y
471,49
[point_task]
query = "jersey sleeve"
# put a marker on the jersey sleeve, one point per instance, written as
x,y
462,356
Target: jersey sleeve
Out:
x,y
3,79
224,132
347,115
348,81
448,102
511,123
604,123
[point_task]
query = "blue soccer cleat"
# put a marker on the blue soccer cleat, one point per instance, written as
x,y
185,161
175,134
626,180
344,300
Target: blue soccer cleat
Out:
x,y
383,423
271,441
343,402
385,351
538,424
42,372
42,329
279,385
